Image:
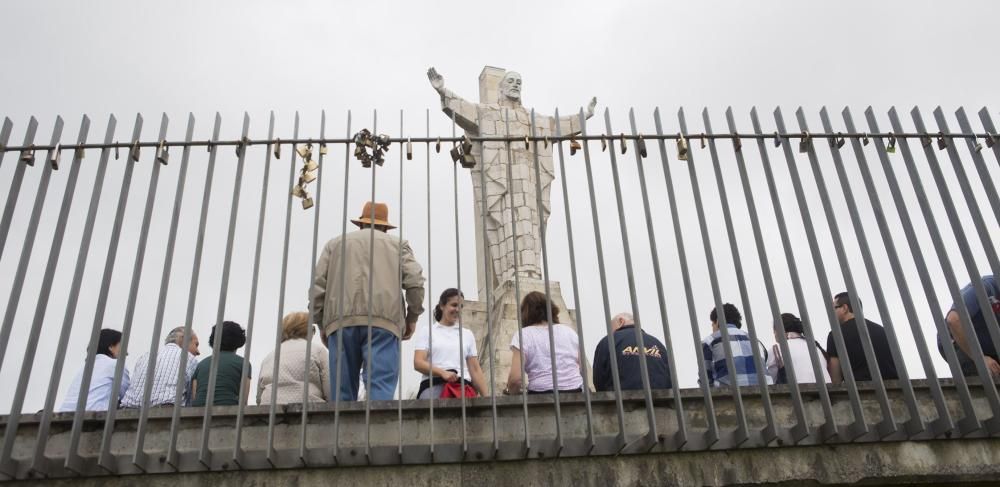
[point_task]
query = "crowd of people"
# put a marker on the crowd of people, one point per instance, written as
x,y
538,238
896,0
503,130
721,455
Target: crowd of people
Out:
x,y
365,311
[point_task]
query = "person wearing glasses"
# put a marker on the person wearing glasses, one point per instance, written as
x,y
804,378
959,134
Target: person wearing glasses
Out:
x,y
849,326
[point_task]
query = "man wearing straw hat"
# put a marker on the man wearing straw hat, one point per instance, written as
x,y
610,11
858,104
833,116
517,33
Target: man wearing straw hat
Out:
x,y
342,305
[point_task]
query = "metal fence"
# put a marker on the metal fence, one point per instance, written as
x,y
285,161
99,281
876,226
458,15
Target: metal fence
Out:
x,y
875,196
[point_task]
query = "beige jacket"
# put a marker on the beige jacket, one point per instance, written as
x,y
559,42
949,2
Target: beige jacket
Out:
x,y
387,305
293,375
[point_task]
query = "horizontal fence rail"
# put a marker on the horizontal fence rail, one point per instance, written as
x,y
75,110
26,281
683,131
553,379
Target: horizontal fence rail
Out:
x,y
146,235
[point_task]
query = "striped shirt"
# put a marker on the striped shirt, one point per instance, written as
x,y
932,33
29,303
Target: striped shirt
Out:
x,y
164,385
715,358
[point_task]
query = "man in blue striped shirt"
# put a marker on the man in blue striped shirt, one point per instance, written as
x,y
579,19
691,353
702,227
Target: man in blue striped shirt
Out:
x,y
741,345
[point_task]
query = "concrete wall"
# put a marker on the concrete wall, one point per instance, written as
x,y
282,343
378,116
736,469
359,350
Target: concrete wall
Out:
x,y
372,454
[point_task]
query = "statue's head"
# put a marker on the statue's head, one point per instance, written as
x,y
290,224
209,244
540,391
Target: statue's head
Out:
x,y
510,86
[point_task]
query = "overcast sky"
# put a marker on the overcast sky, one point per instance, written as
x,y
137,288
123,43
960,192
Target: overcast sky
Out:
x,y
122,58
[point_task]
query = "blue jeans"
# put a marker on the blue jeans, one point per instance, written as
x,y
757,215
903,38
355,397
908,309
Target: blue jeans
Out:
x,y
384,369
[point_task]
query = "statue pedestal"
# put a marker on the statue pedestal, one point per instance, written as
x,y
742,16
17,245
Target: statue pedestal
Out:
x,y
504,322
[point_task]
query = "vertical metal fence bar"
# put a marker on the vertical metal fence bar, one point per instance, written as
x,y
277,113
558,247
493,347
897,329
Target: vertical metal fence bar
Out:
x,y
272,455
576,291
39,462
944,422
989,247
517,280
106,459
340,300
915,423
680,437
5,130
970,422
488,279
711,434
370,361
859,426
430,288
621,438
769,432
801,428
430,274
399,257
139,458
977,157
303,447
109,264
952,283
8,210
888,424
182,381
251,313
22,266
652,437
741,434
204,453
548,294
13,420
458,285
984,116
73,460
829,429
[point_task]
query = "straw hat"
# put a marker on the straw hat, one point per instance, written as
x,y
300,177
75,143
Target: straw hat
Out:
x,y
381,216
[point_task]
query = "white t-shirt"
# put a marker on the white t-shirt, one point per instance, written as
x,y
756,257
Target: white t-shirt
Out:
x,y
445,352
538,359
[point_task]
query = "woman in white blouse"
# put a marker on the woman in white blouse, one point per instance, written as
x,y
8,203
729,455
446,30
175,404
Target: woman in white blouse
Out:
x,y
108,346
798,347
439,351
295,372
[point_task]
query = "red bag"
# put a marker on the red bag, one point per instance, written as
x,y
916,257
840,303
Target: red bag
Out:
x,y
456,389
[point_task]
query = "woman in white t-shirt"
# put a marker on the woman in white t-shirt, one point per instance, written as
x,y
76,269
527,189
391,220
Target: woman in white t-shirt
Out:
x,y
441,348
798,347
536,351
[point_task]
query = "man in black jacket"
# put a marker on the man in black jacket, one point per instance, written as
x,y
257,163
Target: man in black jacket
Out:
x,y
627,353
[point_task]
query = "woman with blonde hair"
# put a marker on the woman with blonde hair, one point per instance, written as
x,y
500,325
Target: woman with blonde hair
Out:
x,y
292,375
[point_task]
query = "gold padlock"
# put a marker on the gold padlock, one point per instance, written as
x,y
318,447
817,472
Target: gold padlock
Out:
x,y
322,149
298,192
682,148
305,151
162,156
574,146
309,176
310,165
307,203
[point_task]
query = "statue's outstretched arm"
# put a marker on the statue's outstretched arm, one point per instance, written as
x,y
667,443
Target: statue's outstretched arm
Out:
x,y
465,113
570,124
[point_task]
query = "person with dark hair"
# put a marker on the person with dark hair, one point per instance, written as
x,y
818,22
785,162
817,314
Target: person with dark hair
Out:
x,y
341,303
537,353
438,352
163,378
293,376
740,344
979,326
229,372
108,346
626,355
855,351
799,359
